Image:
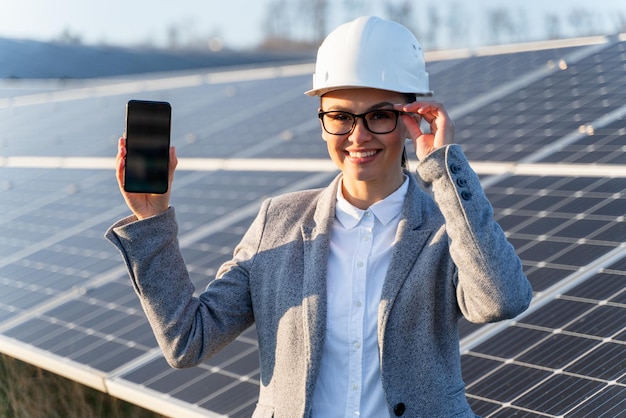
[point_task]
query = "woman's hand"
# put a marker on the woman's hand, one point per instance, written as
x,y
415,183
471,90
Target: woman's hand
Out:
x,y
144,205
441,126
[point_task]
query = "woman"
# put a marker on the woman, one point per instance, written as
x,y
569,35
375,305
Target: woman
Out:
x,y
355,289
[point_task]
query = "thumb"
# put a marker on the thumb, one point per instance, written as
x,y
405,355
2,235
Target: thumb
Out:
x,y
412,123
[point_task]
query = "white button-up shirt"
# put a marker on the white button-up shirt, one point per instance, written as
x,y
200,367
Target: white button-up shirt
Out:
x,y
349,382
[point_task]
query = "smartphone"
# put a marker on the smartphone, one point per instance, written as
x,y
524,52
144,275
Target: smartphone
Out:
x,y
148,125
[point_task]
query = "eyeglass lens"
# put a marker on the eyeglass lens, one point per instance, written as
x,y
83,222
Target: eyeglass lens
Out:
x,y
376,121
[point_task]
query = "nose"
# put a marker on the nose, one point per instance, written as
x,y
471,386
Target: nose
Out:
x,y
360,133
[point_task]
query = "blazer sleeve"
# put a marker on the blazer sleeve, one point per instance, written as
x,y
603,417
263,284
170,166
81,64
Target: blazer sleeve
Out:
x,y
188,329
490,282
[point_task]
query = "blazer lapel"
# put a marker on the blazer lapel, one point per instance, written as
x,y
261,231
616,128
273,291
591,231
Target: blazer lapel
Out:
x,y
316,242
410,240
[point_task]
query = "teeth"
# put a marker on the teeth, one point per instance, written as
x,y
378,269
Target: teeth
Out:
x,y
363,154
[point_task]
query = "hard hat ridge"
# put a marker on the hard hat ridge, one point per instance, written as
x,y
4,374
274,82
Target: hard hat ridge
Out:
x,y
370,52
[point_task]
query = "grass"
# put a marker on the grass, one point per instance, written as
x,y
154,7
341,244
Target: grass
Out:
x,y
30,392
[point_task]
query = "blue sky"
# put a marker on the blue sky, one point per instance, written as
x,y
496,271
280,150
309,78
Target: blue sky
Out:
x,y
237,22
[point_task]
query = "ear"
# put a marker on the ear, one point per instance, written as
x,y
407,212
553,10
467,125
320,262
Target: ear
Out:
x,y
324,134
319,109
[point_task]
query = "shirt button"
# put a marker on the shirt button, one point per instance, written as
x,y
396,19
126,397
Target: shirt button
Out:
x,y
355,386
366,238
357,345
399,409
359,303
359,264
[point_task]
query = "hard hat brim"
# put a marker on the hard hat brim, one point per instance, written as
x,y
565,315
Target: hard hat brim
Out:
x,y
322,91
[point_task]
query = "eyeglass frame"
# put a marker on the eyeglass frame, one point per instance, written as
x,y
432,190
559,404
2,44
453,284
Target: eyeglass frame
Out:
x,y
355,117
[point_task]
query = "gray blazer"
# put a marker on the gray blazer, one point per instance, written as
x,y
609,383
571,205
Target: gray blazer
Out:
x,y
450,258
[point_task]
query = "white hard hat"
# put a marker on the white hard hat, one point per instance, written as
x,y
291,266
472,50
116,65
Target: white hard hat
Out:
x,y
370,52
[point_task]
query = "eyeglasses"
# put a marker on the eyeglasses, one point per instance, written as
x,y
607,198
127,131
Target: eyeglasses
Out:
x,y
380,121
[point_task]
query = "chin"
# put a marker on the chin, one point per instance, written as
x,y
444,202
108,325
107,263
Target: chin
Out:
x,y
360,174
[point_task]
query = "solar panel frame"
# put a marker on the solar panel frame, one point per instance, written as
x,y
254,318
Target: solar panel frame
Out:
x,y
67,305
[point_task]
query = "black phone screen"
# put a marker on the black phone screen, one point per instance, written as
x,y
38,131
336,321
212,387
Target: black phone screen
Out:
x,y
148,125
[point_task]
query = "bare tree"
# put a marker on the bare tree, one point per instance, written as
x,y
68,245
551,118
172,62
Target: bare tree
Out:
x,y
401,13
433,30
67,36
504,27
276,23
299,24
319,20
620,22
458,25
553,26
582,22
355,8
173,36
521,29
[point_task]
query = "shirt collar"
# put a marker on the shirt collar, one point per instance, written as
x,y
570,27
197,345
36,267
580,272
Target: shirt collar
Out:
x,y
385,210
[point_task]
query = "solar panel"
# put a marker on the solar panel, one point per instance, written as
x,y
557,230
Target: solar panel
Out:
x,y
565,356
67,305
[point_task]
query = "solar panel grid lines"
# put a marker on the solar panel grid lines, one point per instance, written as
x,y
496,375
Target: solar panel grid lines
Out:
x,y
123,386
55,341
61,366
147,83
247,212
519,79
191,178
540,221
555,190
545,292
532,118
24,197
124,325
51,300
578,340
611,126
69,306
483,77
227,383
238,118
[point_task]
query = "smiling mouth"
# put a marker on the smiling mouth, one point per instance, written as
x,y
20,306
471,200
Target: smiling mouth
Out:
x,y
362,154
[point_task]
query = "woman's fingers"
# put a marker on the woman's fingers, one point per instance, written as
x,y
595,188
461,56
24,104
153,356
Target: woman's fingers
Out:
x,y
436,116
120,162
144,205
